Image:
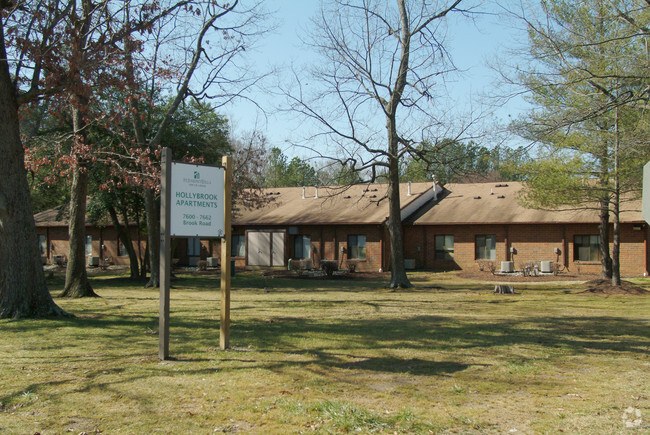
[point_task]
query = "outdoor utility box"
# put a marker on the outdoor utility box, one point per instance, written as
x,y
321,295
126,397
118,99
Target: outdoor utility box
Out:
x,y
93,261
44,259
409,263
507,266
213,261
546,266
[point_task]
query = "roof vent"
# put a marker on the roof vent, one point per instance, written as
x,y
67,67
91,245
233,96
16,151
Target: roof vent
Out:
x,y
373,196
347,197
501,196
500,185
477,197
409,191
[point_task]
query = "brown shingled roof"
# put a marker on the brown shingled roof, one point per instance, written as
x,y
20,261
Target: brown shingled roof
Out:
x,y
497,203
335,205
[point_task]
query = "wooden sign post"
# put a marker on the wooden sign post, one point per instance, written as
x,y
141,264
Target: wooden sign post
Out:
x,y
194,202
224,330
165,253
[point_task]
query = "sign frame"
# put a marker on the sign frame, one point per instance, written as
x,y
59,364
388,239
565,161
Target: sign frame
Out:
x,y
201,209
165,251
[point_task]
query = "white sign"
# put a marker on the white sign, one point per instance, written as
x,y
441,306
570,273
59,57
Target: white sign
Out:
x,y
197,201
645,201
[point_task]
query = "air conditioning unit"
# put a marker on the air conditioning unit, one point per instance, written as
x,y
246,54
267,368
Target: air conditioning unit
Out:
x,y
409,263
507,266
93,261
213,261
546,266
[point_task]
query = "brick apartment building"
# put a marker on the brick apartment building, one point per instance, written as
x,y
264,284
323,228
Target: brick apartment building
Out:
x,y
463,226
472,224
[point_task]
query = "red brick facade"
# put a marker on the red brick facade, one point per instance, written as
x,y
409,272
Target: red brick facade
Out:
x,y
531,243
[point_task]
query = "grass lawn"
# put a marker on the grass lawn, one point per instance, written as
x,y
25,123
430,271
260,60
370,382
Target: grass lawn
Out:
x,y
332,356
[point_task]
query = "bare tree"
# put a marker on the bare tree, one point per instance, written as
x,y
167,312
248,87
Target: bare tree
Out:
x,y
382,62
207,67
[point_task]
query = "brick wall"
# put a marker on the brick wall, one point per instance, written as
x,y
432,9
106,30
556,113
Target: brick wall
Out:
x,y
530,242
104,243
326,244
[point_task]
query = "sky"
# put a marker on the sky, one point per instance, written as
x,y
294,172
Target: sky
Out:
x,y
472,46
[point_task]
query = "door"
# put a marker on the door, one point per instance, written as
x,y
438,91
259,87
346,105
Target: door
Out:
x,y
259,248
265,248
278,249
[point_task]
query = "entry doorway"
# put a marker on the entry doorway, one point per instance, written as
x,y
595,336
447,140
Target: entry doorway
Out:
x,y
265,248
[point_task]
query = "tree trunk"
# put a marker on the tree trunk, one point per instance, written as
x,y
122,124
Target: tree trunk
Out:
x,y
125,238
76,278
153,238
616,203
398,278
23,292
603,227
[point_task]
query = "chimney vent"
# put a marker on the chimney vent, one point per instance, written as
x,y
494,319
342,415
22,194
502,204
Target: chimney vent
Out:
x,y
316,196
303,192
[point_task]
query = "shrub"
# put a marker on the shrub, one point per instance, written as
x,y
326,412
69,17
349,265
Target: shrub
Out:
x,y
329,267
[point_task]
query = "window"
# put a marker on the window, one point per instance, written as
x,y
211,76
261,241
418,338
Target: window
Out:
x,y
238,245
486,247
586,248
89,245
121,249
193,247
357,247
302,247
42,244
444,247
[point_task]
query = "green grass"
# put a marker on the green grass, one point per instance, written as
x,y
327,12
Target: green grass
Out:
x,y
329,357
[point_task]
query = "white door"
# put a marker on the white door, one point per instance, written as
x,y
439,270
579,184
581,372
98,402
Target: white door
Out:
x,y
259,248
278,249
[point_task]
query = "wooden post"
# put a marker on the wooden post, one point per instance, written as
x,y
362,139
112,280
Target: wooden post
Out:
x,y
165,253
224,331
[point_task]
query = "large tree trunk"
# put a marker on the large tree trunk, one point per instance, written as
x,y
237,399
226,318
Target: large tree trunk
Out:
x,y
153,237
76,278
23,292
398,276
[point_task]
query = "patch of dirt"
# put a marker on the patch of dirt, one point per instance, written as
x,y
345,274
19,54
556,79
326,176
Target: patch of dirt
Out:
x,y
605,287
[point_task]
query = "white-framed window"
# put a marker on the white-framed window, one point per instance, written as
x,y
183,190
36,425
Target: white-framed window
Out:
x,y
444,247
193,247
357,247
42,244
89,246
302,246
121,248
486,247
586,247
238,245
